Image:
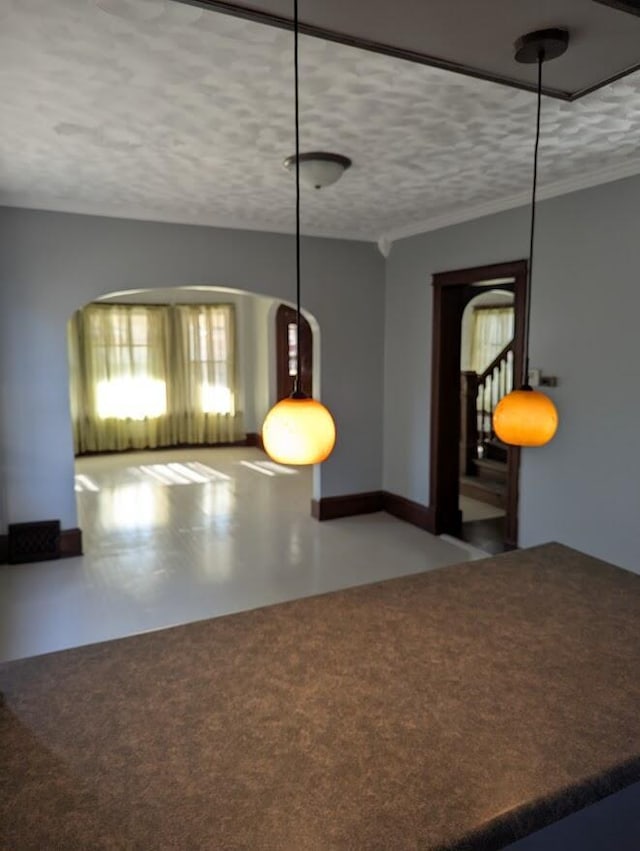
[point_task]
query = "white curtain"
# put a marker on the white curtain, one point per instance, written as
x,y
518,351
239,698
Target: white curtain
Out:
x,y
492,330
148,376
203,392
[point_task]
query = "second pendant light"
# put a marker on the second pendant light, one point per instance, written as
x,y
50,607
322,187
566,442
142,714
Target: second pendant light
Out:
x,y
527,417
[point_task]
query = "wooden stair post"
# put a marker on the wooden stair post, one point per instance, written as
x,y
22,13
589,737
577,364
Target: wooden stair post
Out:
x,y
468,422
483,460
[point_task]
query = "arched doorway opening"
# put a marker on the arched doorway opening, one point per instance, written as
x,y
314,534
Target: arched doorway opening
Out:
x,y
136,440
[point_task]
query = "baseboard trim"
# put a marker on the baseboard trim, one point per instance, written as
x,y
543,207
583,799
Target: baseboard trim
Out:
x,y
333,507
409,511
70,545
350,505
224,445
254,438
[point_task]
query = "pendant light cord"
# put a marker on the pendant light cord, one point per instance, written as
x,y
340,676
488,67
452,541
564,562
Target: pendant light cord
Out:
x,y
525,374
298,381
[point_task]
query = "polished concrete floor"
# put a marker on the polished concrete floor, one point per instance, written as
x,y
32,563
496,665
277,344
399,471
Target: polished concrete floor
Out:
x,y
474,509
483,525
175,536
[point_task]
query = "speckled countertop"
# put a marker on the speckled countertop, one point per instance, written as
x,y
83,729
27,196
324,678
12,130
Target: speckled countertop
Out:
x,y
462,708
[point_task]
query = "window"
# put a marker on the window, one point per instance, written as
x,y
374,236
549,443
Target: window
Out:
x,y
292,348
153,375
209,338
125,355
492,331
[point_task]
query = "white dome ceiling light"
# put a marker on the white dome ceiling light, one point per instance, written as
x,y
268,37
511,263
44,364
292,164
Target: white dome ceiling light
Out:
x,y
318,168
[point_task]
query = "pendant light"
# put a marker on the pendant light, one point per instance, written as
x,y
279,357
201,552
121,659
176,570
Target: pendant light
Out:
x,y
527,417
298,430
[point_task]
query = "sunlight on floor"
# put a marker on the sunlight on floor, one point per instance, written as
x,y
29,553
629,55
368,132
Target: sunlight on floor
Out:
x,y
177,536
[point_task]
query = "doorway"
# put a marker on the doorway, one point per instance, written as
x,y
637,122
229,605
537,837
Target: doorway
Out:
x,y
287,353
462,440
169,389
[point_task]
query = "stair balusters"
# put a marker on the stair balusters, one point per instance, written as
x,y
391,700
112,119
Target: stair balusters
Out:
x,y
479,396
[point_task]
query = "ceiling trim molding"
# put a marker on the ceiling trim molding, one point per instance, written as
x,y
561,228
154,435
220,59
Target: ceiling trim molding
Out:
x,y
26,202
565,186
238,10
384,241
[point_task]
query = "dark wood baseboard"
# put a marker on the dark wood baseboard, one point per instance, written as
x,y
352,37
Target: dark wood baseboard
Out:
x,y
254,439
332,507
70,544
410,511
225,445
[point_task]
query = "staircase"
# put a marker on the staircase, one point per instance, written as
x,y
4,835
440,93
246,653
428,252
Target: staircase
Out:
x,y
483,458
488,480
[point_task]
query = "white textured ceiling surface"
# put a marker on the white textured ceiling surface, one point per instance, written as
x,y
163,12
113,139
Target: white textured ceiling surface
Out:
x,y
172,113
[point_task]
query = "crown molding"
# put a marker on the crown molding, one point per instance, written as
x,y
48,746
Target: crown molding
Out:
x,y
384,241
147,215
608,174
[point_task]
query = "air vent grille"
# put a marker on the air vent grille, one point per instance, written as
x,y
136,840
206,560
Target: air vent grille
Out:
x,y
30,542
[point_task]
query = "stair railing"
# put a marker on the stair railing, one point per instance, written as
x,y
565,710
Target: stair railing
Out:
x,y
480,393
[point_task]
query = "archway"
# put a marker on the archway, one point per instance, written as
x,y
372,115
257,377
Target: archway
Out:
x,y
141,489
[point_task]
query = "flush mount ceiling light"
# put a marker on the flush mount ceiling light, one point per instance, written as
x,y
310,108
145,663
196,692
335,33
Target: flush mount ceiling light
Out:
x,y
318,168
527,417
298,430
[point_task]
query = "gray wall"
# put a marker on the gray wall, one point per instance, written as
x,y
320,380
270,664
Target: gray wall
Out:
x,y
583,489
53,263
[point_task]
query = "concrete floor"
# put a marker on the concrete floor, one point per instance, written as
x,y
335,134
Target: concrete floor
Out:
x,y
177,536
473,509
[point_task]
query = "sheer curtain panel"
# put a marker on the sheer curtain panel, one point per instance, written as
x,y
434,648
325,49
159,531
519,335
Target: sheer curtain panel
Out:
x,y
144,376
119,365
492,330
203,391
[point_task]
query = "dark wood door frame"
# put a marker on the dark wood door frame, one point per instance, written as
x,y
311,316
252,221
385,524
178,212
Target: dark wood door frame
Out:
x,y
452,291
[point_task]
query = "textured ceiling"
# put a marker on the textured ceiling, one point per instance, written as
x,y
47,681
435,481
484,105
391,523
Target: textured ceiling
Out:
x,y
172,113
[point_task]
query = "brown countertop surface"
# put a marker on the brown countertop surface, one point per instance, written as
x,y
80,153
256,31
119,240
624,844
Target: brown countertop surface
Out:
x,y
463,708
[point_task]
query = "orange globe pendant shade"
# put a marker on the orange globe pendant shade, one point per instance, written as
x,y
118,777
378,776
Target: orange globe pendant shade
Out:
x,y
525,418
299,431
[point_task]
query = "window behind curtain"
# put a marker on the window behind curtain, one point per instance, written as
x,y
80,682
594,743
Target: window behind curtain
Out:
x,y
125,361
146,376
210,336
492,329
292,348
